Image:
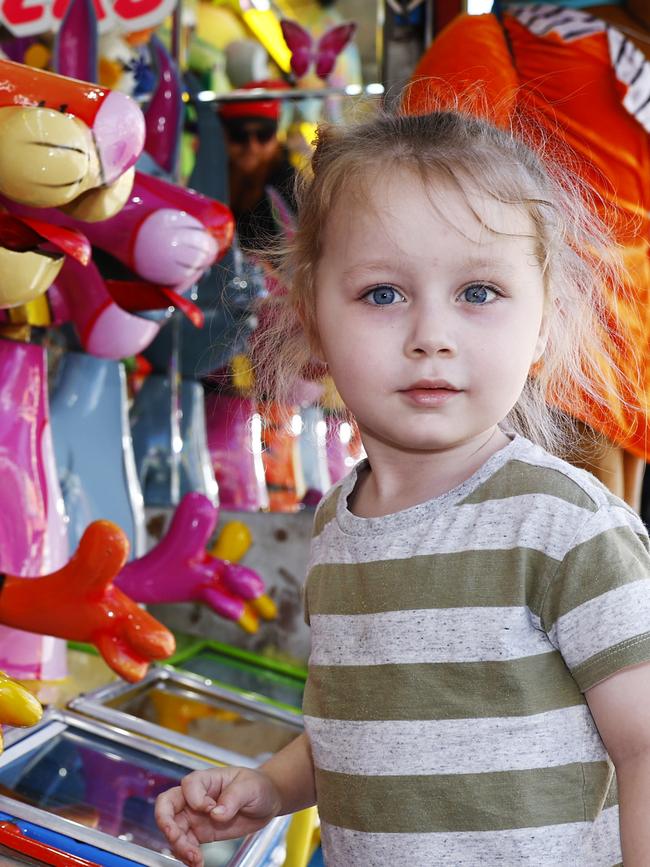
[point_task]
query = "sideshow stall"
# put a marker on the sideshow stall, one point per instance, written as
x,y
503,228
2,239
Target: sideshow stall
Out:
x,y
155,511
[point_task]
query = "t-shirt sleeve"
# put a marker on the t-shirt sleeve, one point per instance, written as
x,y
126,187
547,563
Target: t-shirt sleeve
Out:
x,y
325,512
596,610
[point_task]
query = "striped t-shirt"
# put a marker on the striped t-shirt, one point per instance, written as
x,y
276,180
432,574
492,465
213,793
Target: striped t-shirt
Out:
x,y
451,646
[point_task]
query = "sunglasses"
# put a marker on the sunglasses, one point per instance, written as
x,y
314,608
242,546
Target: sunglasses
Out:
x,y
242,134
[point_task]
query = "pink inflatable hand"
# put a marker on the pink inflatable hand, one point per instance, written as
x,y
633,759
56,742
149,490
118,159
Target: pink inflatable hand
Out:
x,y
178,569
164,233
105,329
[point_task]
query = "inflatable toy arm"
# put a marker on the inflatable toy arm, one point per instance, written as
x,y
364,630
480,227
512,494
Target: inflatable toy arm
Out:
x,y
165,234
178,569
32,254
81,603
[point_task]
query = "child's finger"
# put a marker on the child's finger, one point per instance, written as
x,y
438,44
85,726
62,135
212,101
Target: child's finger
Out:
x,y
201,788
238,794
188,852
167,806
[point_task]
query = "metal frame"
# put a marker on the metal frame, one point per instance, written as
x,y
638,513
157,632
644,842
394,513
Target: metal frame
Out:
x,y
54,721
93,705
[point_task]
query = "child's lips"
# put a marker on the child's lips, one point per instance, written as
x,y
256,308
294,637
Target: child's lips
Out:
x,y
433,393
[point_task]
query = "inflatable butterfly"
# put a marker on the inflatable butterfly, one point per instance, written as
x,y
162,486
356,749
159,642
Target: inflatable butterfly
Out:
x,y
321,53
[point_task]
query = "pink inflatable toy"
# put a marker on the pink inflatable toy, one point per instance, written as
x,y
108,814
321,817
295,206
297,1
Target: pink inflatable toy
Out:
x,y
105,330
164,114
165,233
179,569
32,527
235,442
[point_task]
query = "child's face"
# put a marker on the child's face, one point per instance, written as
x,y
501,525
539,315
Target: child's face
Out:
x,y
429,325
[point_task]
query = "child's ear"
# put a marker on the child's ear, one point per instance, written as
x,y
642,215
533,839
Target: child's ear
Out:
x,y
542,339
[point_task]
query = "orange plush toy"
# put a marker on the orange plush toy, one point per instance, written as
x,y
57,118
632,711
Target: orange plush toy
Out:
x,y
572,79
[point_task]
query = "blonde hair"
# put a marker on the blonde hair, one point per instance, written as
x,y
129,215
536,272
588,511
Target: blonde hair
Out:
x,y
577,256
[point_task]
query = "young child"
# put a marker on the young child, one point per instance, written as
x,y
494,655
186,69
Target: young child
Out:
x,y
480,609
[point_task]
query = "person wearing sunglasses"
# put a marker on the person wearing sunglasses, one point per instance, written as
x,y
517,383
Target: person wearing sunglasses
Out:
x,y
257,161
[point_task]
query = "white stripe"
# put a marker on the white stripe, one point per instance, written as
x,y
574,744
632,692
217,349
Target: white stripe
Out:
x,y
539,21
425,635
619,615
611,518
460,746
578,844
538,521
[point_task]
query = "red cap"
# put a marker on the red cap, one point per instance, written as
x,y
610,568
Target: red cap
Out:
x,y
267,108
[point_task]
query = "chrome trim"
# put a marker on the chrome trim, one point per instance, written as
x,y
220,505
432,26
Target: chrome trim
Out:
x,y
118,734
249,854
96,838
54,722
93,705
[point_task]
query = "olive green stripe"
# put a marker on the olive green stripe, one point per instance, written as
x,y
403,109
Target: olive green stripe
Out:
x,y
518,478
431,691
326,512
632,652
513,577
593,568
611,799
462,802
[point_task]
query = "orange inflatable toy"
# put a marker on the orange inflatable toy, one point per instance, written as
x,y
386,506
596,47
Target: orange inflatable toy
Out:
x,y
570,78
80,603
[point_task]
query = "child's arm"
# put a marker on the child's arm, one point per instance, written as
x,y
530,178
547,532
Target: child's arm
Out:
x,y
221,803
620,706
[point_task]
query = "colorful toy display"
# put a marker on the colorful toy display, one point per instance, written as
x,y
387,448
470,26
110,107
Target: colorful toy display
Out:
x,y
18,707
80,602
152,441
32,253
235,443
63,139
281,427
322,53
32,527
158,221
105,329
164,114
179,569
89,417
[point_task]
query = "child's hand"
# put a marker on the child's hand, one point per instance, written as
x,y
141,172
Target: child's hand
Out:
x,y
216,804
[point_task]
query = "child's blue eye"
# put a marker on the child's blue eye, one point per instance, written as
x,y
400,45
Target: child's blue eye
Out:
x,y
478,293
383,295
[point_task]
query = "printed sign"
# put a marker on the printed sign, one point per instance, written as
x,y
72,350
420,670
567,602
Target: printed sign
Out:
x,y
31,17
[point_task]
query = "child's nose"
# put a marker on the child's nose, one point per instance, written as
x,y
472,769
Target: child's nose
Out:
x,y
431,334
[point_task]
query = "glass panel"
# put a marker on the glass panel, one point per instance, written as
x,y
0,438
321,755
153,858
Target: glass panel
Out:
x,y
98,783
248,678
214,720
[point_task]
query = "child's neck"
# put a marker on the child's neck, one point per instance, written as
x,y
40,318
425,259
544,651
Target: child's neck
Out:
x,y
398,481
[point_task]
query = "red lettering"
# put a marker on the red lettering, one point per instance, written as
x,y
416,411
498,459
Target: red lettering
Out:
x,y
17,12
60,7
129,9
